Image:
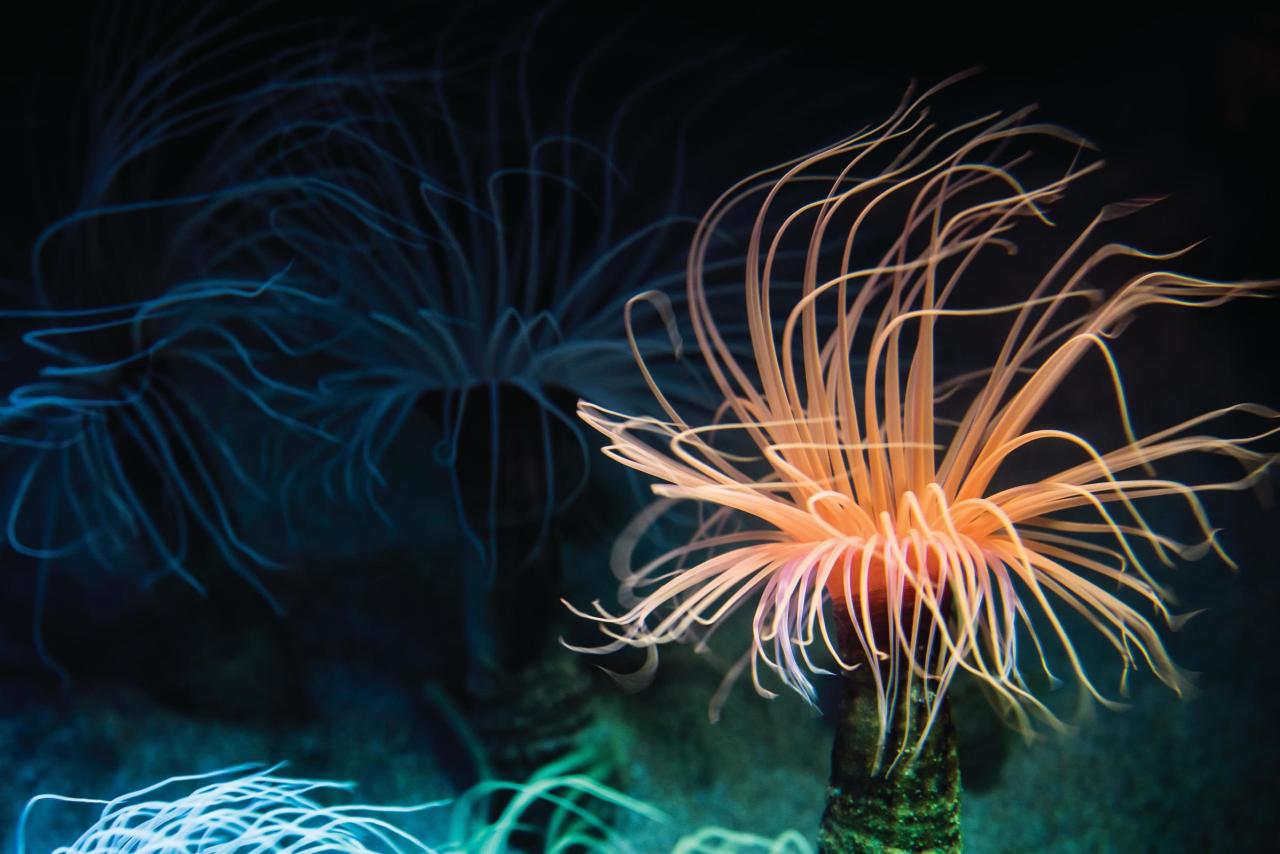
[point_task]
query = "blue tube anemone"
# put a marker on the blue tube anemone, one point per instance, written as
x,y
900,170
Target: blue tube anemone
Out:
x,y
112,446
133,359
483,244
484,262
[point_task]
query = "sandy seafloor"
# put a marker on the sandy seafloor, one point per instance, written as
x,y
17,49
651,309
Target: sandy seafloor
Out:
x,y
1164,776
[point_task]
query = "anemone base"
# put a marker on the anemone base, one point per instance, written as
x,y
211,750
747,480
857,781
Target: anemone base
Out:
x,y
913,806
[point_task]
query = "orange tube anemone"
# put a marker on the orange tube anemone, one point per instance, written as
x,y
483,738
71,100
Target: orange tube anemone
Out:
x,y
833,489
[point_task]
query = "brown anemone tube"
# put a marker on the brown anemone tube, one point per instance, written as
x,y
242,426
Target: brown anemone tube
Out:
x,y
876,805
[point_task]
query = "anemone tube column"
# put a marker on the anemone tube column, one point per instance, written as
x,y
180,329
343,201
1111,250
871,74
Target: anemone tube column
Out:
x,y
905,806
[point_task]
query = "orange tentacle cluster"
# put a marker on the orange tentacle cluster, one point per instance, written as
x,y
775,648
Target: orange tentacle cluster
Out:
x,y
856,501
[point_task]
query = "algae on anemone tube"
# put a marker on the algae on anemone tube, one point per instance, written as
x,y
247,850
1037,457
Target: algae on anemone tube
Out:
x,y
861,499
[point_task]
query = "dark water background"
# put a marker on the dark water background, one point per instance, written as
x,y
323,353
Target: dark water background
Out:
x,y
1179,103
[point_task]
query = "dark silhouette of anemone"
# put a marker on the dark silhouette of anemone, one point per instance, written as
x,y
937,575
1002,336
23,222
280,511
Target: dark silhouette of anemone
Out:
x,y
483,227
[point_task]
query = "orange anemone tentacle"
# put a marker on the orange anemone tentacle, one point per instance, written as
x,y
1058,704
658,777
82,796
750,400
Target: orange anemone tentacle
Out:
x,y
856,501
